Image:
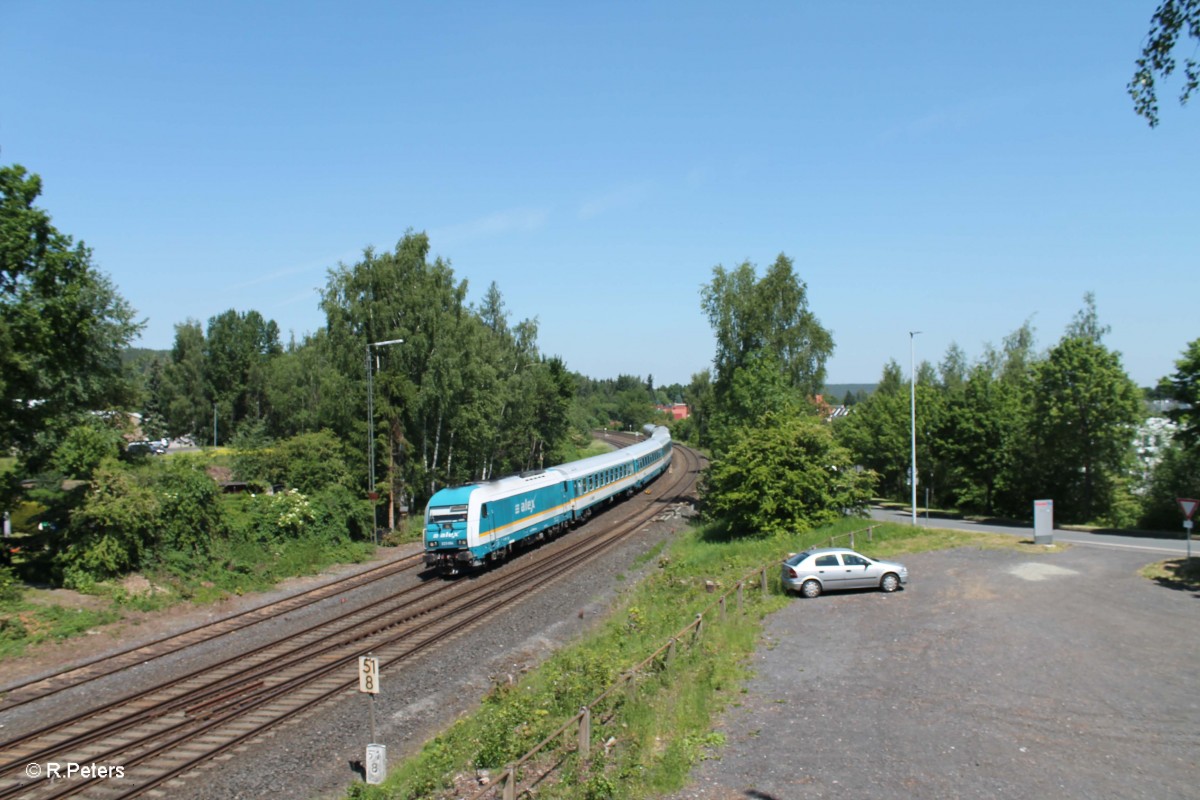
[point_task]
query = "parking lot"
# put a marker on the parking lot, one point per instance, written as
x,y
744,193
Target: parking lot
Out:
x,y
993,674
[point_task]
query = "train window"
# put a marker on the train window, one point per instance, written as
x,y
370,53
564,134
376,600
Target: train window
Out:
x,y
450,514
483,510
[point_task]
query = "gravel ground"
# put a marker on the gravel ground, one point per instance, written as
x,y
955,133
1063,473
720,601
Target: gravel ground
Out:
x,y
994,674
313,756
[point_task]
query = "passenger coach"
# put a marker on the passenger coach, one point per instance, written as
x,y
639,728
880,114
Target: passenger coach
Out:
x,y
467,526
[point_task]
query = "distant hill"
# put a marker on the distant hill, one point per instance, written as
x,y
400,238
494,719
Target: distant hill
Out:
x,y
139,359
835,393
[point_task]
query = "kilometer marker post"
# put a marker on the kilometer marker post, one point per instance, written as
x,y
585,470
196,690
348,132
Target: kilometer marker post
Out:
x,y
368,683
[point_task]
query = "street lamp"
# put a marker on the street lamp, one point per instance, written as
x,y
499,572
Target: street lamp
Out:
x,y
912,401
371,430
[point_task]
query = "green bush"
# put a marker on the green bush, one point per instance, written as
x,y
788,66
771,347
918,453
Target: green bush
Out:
x,y
85,446
783,474
506,731
132,516
10,585
12,629
308,462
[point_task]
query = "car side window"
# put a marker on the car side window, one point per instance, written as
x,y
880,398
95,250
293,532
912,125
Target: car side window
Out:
x,y
827,561
854,561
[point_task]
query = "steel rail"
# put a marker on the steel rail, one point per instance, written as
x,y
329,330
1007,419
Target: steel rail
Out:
x,y
526,577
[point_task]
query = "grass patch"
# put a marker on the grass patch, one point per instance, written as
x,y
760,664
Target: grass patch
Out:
x,y
645,742
594,447
234,568
23,624
1176,573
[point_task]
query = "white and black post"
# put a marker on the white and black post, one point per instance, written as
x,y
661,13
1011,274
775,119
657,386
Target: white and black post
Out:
x,y
368,683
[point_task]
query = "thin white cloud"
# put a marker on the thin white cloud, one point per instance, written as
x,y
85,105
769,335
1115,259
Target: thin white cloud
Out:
x,y
279,274
621,197
502,222
957,117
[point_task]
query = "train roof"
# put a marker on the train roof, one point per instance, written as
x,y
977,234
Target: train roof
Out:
x,y
587,466
513,484
490,490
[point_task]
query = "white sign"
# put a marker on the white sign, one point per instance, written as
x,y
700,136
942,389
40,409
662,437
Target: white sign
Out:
x,y
376,763
1188,505
368,674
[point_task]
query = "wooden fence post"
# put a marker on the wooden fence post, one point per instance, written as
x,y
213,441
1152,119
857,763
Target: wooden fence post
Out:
x,y
510,783
764,581
699,626
739,588
585,732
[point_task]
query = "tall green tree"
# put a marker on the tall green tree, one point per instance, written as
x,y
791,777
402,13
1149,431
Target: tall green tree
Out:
x,y
878,431
953,369
306,392
1184,388
187,399
1171,19
750,316
983,425
154,417
1177,474
464,396
238,349
1081,426
699,398
62,326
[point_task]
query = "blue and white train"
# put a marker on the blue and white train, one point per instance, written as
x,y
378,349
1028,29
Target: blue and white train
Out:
x,y
468,526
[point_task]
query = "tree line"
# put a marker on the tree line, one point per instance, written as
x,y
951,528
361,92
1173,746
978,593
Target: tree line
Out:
x,y
462,393
992,435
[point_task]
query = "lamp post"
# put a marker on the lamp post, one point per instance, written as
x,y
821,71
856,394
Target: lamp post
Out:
x,y
371,430
912,402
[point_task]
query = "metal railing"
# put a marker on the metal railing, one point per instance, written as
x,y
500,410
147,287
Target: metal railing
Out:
x,y
576,732
869,530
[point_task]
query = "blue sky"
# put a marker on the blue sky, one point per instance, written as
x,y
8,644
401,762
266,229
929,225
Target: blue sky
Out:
x,y
955,168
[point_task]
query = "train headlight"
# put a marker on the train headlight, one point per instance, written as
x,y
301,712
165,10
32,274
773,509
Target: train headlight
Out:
x,y
462,542
431,543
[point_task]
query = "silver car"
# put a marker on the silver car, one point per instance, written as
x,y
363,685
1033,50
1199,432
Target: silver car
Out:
x,y
827,569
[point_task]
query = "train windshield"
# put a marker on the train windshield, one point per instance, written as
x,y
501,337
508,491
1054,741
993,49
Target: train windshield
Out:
x,y
447,514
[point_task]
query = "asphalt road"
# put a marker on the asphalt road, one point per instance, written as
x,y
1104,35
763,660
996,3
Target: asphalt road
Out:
x,y
993,674
1114,539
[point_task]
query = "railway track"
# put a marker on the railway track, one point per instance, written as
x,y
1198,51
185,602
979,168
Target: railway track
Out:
x,y
161,733
22,693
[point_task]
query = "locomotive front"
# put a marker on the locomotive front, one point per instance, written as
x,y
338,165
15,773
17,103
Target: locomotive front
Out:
x,y
447,528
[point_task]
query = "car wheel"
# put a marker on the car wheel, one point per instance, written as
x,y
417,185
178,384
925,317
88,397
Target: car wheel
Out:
x,y
889,583
810,589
